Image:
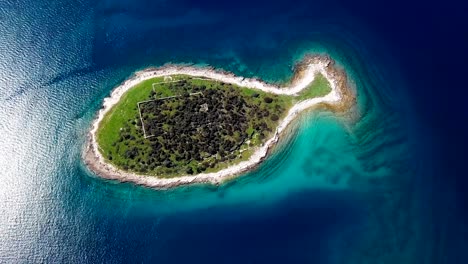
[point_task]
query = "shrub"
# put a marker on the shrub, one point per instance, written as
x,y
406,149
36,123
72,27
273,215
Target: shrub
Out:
x,y
268,100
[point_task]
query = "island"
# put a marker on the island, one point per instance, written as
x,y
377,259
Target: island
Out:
x,y
178,124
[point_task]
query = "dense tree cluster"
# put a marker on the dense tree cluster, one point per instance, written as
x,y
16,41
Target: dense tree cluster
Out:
x,y
194,131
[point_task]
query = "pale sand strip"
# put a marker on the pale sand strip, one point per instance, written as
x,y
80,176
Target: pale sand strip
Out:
x,y
306,74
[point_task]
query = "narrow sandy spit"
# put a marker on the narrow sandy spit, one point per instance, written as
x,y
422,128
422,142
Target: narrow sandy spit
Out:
x,y
305,74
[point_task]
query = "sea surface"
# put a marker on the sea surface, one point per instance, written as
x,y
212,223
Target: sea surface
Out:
x,y
374,185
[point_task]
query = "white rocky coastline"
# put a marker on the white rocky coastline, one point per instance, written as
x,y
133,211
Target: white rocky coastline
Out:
x,y
305,74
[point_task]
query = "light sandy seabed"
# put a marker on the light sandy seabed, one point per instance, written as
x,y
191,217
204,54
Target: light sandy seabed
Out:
x,y
339,98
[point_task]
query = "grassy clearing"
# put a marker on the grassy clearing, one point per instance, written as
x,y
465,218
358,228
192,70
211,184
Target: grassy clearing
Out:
x,y
318,88
109,128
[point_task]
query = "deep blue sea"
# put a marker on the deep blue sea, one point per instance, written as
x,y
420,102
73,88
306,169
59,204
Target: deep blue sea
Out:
x,y
384,184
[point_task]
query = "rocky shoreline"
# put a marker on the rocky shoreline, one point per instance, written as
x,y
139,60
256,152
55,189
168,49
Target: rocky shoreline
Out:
x,y
339,99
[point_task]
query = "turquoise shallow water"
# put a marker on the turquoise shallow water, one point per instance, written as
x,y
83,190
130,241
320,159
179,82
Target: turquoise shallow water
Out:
x,y
338,189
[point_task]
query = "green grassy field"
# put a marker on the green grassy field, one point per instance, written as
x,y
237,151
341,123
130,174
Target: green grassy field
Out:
x,y
120,131
318,88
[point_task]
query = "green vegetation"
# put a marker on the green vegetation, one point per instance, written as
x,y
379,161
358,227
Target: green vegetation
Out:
x,y
190,125
319,87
